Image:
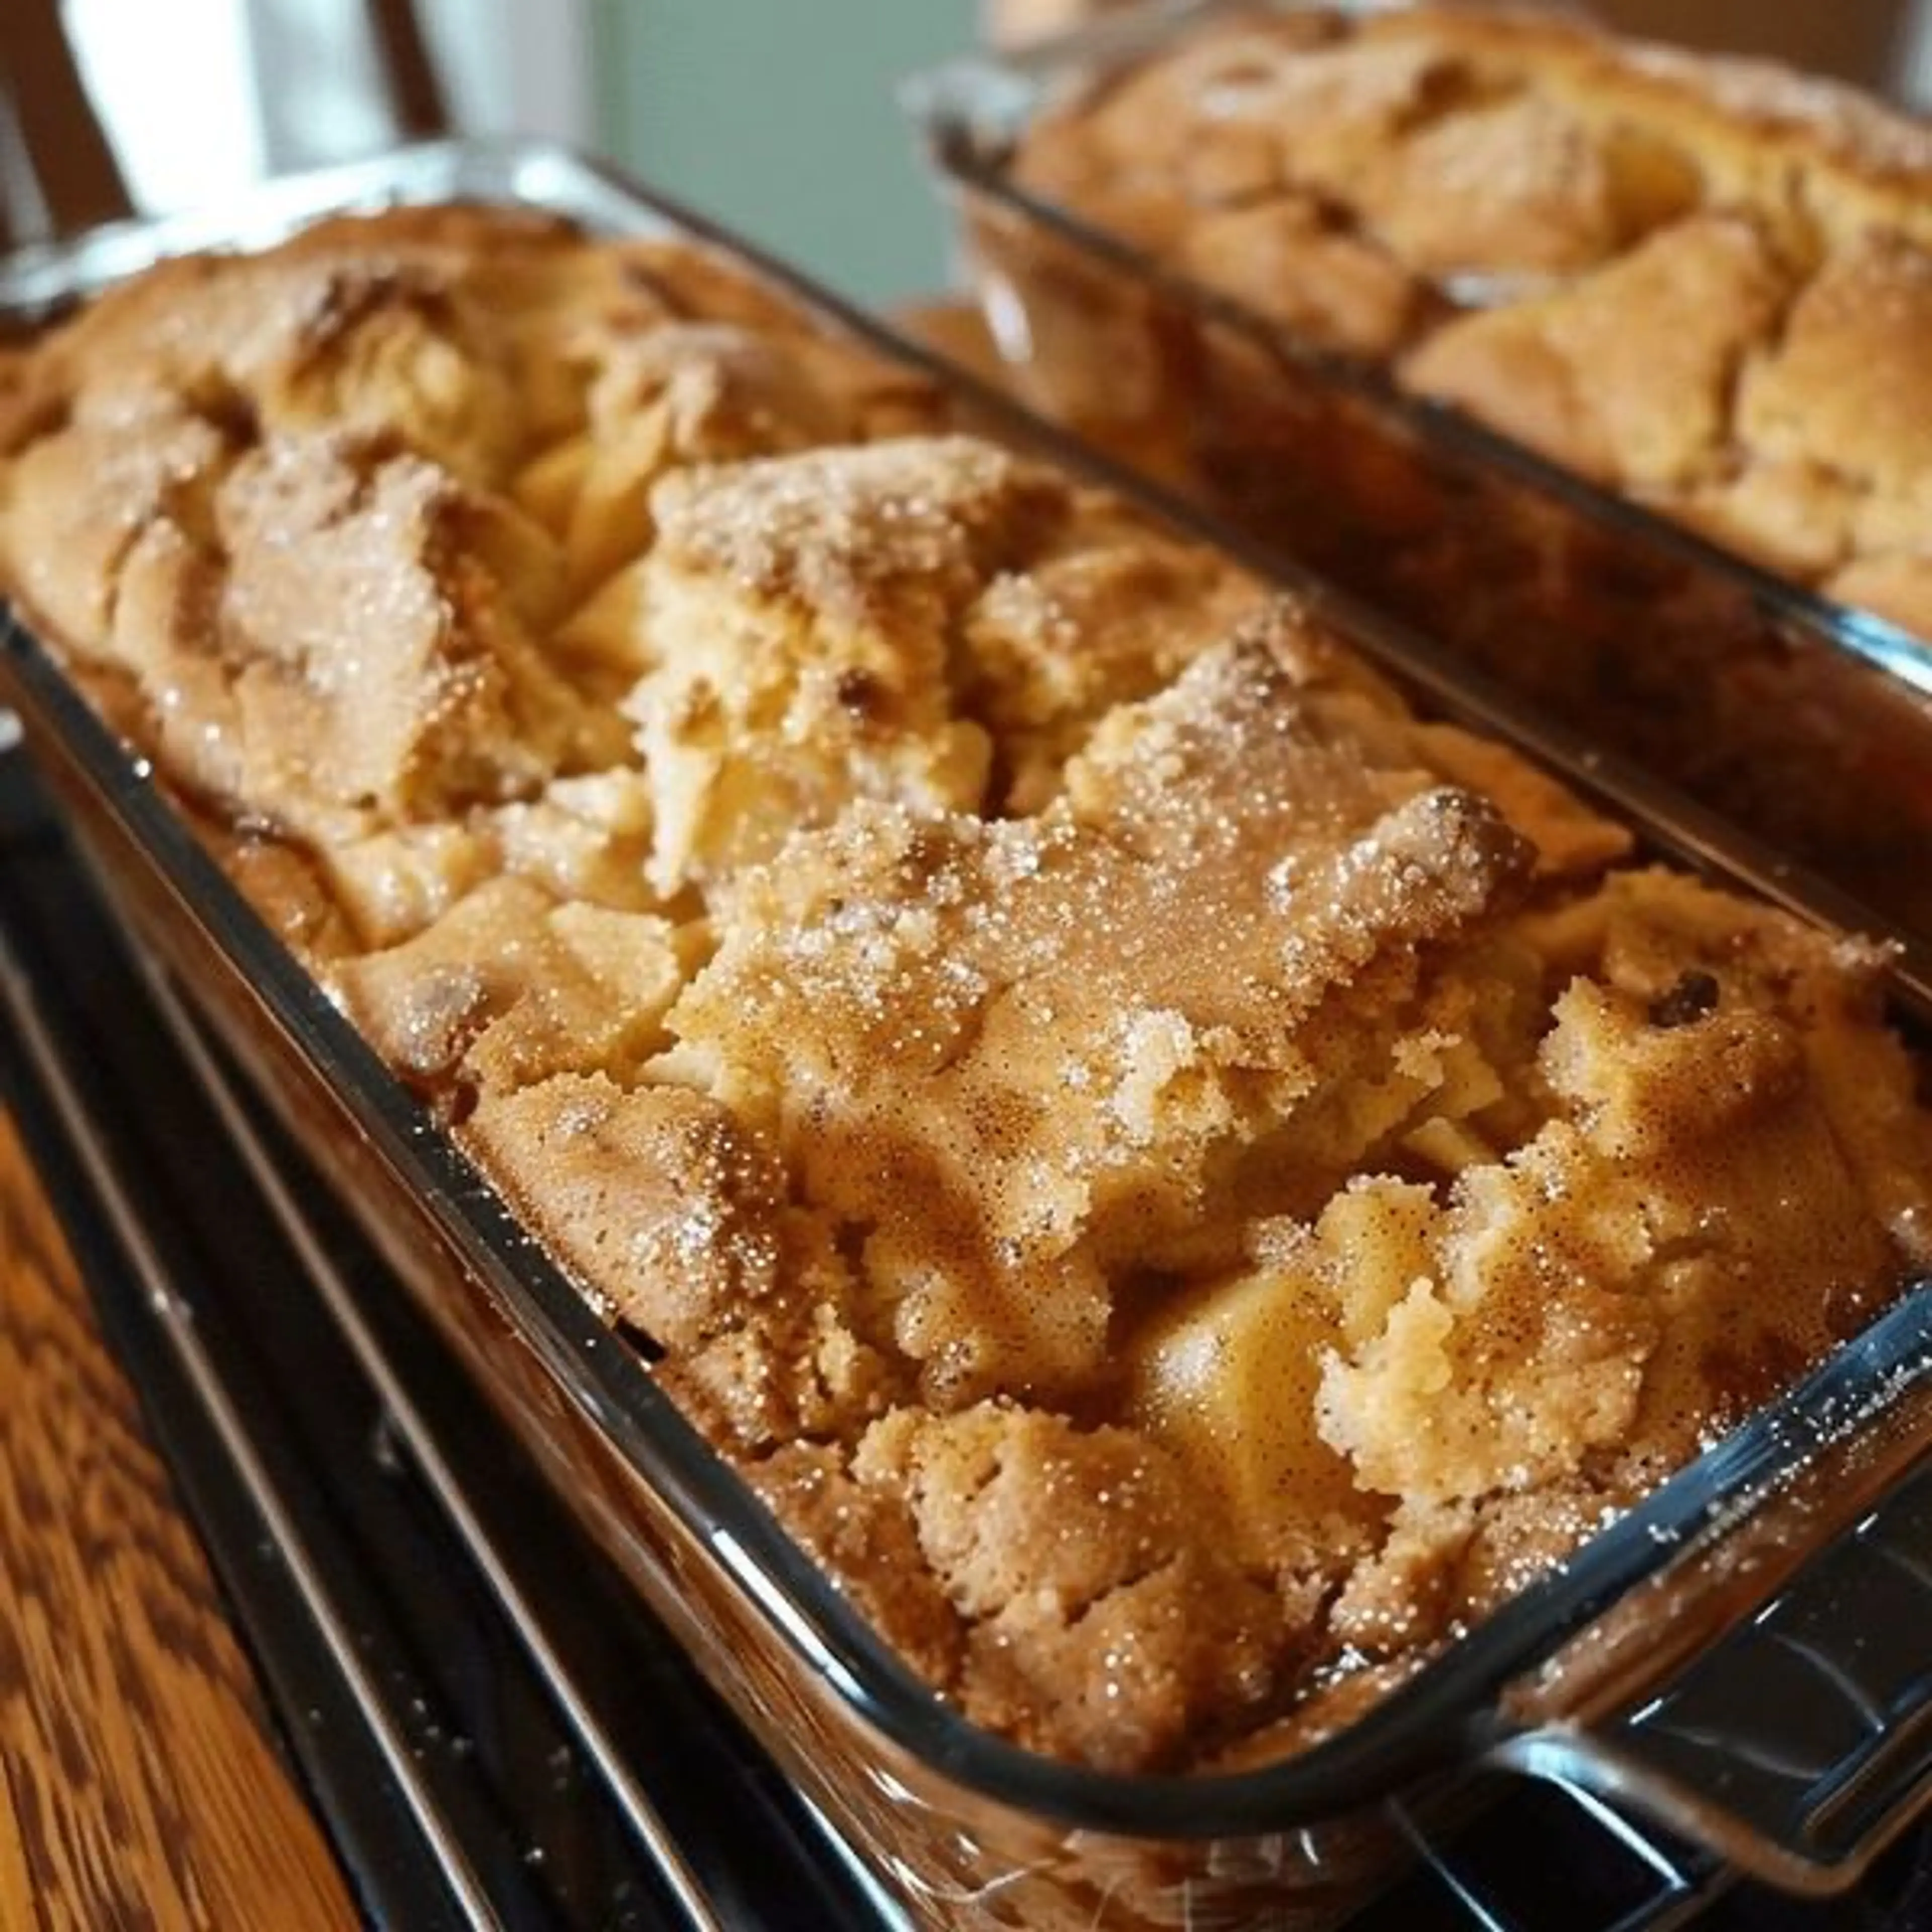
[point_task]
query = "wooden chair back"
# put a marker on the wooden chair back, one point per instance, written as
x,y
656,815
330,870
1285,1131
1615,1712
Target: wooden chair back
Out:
x,y
58,170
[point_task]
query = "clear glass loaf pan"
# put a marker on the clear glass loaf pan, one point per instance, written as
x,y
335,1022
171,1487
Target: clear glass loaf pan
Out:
x,y
1810,722
1741,1658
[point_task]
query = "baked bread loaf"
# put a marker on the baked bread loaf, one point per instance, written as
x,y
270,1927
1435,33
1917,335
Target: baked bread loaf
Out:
x,y
1704,282
1182,1182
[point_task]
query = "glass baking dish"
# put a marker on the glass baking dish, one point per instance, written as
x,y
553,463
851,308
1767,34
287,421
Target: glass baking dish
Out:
x,y
1739,1656
1728,680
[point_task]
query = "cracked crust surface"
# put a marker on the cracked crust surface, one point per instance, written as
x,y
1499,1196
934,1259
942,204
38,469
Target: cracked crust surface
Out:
x,y
1180,1183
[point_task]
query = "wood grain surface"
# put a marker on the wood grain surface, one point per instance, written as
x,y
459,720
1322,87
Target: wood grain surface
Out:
x,y
138,1784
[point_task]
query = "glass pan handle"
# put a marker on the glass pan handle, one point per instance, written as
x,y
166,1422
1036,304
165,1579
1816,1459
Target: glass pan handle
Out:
x,y
1799,1743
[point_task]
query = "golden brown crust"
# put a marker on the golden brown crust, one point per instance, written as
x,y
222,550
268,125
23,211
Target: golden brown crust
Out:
x,y
509,986
1285,257
799,612
1747,123
1831,389
864,1534
1119,1636
652,1193
1704,282
1114,947
1626,375
1180,1183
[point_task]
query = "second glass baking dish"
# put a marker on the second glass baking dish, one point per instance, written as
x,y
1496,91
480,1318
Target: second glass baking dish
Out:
x,y
1809,722
1677,1661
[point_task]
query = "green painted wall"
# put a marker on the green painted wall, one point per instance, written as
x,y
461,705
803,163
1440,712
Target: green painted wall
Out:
x,y
777,117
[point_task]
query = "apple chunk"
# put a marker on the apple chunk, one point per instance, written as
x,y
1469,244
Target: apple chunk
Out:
x,y
1227,1379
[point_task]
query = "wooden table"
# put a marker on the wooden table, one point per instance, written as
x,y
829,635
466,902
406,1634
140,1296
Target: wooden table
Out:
x,y
139,1782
